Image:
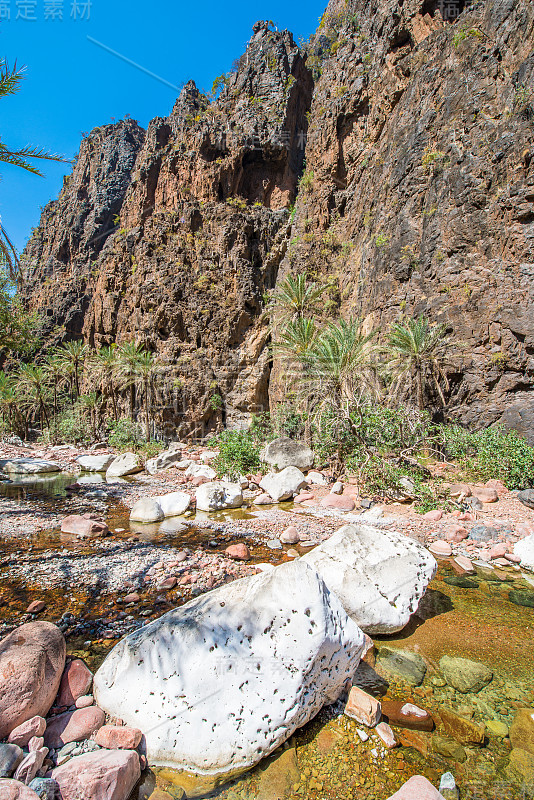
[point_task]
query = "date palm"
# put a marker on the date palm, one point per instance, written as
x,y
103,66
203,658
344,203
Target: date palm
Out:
x,y
72,356
127,369
92,404
9,401
10,81
415,356
294,297
104,366
32,383
145,370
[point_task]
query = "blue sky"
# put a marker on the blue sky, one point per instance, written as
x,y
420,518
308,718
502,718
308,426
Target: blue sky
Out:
x,y
72,84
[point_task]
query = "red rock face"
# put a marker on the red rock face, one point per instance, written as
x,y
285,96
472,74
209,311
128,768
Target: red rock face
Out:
x,y
182,261
418,198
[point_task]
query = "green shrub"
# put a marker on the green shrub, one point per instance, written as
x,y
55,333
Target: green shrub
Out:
x,y
69,427
126,435
239,454
492,453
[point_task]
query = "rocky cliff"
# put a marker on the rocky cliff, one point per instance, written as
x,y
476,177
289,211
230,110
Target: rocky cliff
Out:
x,y
416,195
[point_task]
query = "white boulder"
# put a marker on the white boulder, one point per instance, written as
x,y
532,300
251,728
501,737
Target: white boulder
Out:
x,y
283,485
379,576
125,464
317,479
218,495
195,470
224,680
29,466
169,458
525,550
95,463
285,452
147,509
174,504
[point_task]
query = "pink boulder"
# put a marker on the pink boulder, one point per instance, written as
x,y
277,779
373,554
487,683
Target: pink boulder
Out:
x,y
22,734
32,658
85,528
74,726
417,788
14,790
303,496
290,535
456,533
363,707
486,495
434,516
75,682
239,552
340,502
263,500
102,775
499,486
440,548
117,737
498,550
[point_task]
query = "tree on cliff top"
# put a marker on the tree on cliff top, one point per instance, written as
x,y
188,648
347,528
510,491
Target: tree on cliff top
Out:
x,y
10,80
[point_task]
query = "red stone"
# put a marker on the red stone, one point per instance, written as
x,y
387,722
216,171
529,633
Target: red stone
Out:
x,y
303,496
22,734
117,737
36,607
168,583
75,682
404,715
434,516
239,552
74,726
338,501
363,707
456,533
440,548
15,790
77,525
102,775
417,788
486,495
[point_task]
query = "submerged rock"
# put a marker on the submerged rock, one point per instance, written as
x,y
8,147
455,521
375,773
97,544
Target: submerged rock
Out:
x,y
224,680
465,675
29,466
407,665
379,576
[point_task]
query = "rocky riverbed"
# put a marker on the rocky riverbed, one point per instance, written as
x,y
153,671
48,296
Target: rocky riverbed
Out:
x,y
478,607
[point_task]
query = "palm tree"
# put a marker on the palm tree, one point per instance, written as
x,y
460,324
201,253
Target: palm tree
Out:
x,y
294,345
32,382
10,81
415,356
55,371
127,365
294,298
72,356
92,404
9,401
104,365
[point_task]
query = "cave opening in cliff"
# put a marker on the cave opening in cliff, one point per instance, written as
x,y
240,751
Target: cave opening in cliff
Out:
x,y
449,10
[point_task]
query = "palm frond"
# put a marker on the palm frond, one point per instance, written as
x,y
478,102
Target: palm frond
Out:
x,y
10,78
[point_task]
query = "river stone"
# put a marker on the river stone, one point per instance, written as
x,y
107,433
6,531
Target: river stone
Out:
x,y
169,458
379,576
464,731
10,757
465,675
283,485
525,550
285,452
125,464
219,495
483,533
195,470
29,466
224,680
22,734
30,765
84,528
73,726
174,504
147,509
448,748
101,775
521,765
32,659
75,682
417,788
46,789
522,730
407,665
95,463
15,790
526,497
407,715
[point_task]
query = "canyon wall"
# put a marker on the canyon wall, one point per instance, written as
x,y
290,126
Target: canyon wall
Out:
x,y
406,142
